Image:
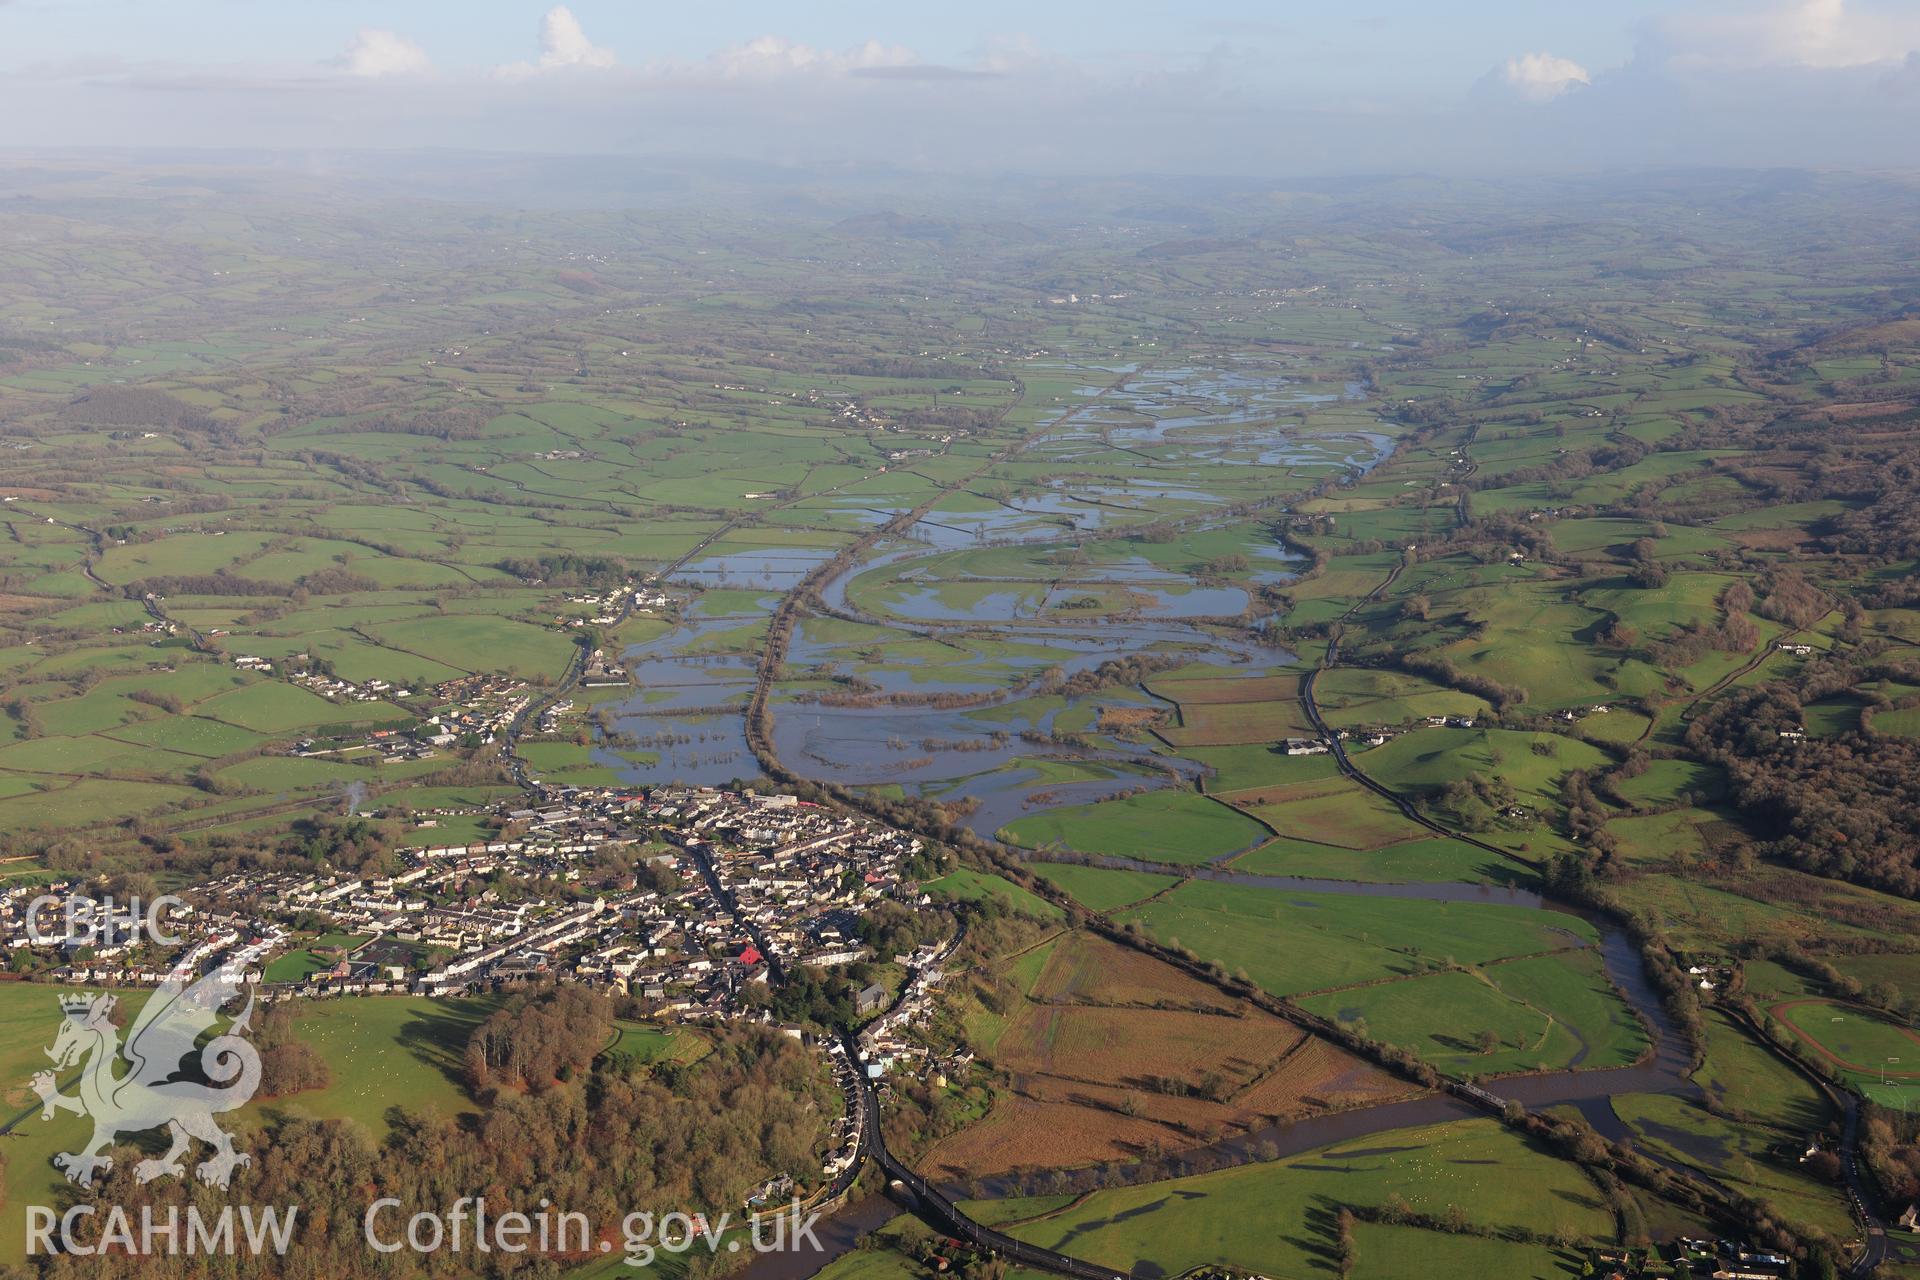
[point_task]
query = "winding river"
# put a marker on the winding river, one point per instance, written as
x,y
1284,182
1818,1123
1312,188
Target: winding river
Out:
x,y
1227,420
1662,1070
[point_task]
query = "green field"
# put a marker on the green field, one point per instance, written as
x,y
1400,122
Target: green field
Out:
x,y
1100,889
301,962
1541,1013
640,1045
979,505
386,1052
1274,1219
1743,1156
1747,1079
1291,941
1175,827
1409,860
969,885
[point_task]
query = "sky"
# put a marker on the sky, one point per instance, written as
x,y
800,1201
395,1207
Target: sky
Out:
x,y
1232,87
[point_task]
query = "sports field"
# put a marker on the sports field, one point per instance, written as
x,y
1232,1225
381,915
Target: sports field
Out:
x,y
1880,1058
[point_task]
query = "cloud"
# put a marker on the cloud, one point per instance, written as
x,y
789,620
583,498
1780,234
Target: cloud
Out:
x,y
1821,34
1904,80
774,56
1541,77
376,51
1746,88
923,71
1019,55
563,45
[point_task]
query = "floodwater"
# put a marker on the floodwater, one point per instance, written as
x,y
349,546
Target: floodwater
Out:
x,y
683,713
1224,420
871,745
838,1235
906,743
1006,795
688,712
780,569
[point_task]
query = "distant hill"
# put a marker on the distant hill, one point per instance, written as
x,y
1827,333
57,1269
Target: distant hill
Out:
x,y
1195,246
887,224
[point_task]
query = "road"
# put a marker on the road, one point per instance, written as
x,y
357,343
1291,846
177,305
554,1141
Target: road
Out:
x,y
1351,770
96,547
932,1203
1876,1246
510,738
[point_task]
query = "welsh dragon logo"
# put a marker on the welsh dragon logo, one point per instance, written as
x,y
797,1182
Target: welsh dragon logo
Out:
x,y
131,1088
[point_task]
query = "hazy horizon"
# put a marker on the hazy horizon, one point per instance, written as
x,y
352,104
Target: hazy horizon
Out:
x,y
1227,88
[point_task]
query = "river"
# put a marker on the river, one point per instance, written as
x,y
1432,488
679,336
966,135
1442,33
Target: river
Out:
x,y
1191,440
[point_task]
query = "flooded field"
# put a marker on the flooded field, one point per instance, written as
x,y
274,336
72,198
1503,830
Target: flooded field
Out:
x,y
943,663
777,570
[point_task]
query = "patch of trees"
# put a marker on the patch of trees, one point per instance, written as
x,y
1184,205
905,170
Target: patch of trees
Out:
x,y
1438,411
1223,566
1453,1220
1648,574
892,929
352,843
1158,533
680,1138
1575,464
112,405
1890,1141
947,1256
437,424
1114,672
1587,813
144,841
288,1063
1478,801
1735,632
1573,878
895,367
1692,640
1847,807
565,569
337,580
945,418
824,997
532,1043
1786,596
1871,464
201,584
168,702
21,712
1440,671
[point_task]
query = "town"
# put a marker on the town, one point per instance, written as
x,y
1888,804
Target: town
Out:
x,y
688,899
